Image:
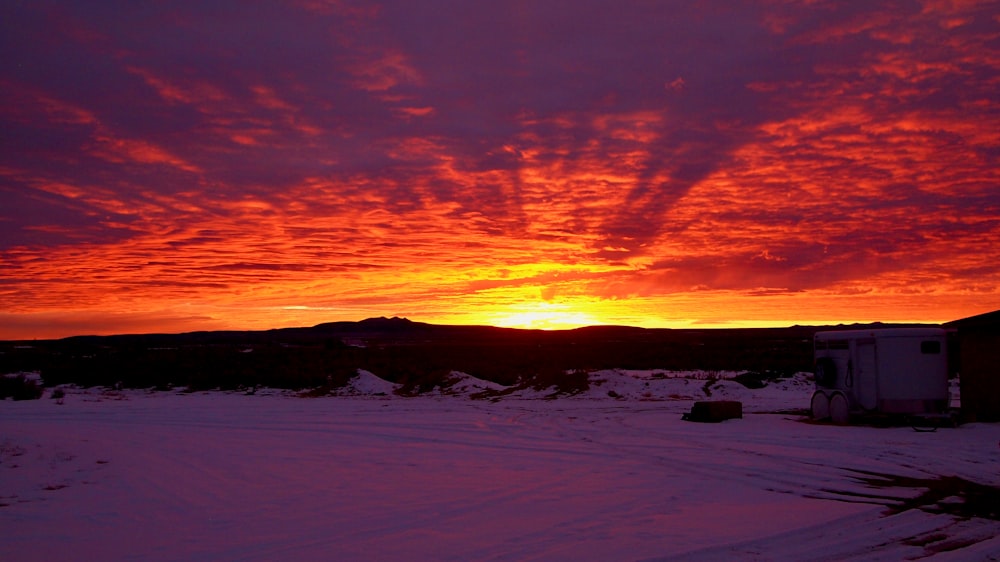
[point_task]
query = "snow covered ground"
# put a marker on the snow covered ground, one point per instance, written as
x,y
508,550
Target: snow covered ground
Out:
x,y
608,474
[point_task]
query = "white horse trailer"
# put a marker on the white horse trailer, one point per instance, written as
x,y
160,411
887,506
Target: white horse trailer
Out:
x,y
885,371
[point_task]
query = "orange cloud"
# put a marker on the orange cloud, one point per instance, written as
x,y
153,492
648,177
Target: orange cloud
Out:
x,y
120,150
201,94
383,71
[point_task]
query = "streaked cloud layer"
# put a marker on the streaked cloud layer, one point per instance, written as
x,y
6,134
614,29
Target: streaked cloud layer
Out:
x,y
192,165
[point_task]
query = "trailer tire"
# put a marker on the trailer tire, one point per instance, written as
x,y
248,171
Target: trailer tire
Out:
x,y
825,372
840,410
819,407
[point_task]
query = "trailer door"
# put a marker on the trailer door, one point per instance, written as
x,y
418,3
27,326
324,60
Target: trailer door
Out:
x,y
866,375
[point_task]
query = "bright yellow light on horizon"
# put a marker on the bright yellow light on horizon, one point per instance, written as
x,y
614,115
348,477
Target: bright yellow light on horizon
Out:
x,y
543,316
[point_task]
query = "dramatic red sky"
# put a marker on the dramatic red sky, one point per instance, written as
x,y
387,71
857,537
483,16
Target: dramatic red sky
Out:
x,y
176,166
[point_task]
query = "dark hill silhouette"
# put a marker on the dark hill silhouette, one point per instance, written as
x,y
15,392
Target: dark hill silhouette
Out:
x,y
413,353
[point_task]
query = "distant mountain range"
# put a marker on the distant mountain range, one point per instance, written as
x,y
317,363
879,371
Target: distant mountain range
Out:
x,y
403,329
416,355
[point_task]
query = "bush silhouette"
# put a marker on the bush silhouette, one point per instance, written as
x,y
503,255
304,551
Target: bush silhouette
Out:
x,y
19,387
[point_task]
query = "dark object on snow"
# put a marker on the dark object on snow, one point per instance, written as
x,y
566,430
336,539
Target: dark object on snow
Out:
x,y
714,411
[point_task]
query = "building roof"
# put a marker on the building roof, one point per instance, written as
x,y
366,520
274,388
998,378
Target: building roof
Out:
x,y
985,321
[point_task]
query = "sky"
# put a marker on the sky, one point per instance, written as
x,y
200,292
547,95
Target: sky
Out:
x,y
179,166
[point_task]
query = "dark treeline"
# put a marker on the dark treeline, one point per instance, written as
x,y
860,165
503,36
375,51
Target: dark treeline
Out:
x,y
411,353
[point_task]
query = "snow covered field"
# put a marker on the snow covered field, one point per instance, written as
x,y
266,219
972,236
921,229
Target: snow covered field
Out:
x,y
610,474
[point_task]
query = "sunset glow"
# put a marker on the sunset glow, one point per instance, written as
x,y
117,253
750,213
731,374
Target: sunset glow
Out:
x,y
252,165
544,316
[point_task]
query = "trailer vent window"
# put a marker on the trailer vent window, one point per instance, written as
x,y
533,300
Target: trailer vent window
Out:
x,y
840,344
930,347
821,345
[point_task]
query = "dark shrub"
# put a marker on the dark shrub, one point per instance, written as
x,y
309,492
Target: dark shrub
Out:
x,y
758,379
19,387
572,382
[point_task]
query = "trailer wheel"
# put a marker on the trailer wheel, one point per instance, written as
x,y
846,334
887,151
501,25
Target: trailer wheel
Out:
x,y
820,406
840,410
